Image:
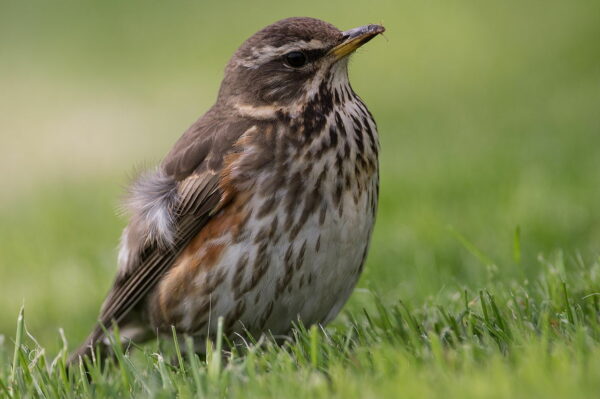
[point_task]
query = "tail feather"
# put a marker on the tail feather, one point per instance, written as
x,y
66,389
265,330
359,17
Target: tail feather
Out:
x,y
96,346
91,347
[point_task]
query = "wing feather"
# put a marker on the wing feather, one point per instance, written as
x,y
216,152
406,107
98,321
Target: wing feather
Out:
x,y
201,194
191,173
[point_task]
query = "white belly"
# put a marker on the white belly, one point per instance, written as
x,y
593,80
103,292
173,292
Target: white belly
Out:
x,y
308,278
275,274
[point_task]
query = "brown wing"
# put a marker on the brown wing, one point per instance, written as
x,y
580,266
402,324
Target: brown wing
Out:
x,y
194,167
199,196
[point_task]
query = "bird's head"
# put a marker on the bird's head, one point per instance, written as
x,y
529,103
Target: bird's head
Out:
x,y
286,62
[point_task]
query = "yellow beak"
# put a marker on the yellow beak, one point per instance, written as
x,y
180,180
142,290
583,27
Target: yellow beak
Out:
x,y
354,38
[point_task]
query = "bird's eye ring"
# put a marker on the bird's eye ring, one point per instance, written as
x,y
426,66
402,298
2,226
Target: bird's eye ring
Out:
x,y
295,59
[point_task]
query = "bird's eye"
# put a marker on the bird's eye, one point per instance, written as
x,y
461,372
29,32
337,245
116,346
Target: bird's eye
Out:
x,y
295,59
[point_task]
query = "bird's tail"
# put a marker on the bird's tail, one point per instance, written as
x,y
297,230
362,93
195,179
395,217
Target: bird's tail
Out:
x,y
92,347
97,347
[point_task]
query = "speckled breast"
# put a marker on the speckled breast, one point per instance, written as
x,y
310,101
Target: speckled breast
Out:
x,y
292,241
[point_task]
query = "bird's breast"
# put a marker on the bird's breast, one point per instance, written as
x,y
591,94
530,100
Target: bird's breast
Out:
x,y
291,242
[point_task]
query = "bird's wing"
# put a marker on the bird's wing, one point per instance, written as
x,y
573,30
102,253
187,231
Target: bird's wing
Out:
x,y
179,199
200,195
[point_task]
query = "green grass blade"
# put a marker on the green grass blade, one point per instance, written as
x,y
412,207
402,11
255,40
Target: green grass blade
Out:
x,y
18,341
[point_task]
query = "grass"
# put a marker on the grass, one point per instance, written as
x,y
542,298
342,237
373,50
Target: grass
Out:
x,y
535,339
483,276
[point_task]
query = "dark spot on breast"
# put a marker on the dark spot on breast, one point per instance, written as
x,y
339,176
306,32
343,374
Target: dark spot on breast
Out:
x,y
340,124
274,181
261,264
346,150
238,276
316,111
300,257
240,233
336,97
309,155
295,189
289,222
266,314
262,235
370,133
347,93
288,263
337,194
266,208
323,213
288,253
333,136
235,314
358,136
212,280
311,202
259,267
273,236
307,169
339,164
357,167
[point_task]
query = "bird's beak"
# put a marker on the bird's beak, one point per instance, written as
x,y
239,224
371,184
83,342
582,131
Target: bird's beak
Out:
x,y
354,38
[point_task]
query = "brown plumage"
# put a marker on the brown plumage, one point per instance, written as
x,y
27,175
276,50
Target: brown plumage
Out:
x,y
262,211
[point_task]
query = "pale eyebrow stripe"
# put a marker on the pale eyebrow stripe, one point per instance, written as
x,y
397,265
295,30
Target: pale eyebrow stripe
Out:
x,y
263,54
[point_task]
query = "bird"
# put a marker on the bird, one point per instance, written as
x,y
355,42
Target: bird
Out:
x,y
262,212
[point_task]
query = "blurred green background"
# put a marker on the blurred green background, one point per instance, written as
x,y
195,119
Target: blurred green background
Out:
x,y
489,118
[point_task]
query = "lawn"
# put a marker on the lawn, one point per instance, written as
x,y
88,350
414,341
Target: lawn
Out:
x,y
483,278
